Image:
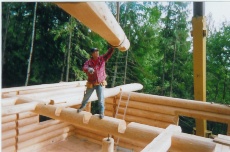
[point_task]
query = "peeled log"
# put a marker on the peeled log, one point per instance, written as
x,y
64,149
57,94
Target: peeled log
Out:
x,y
9,126
180,103
9,149
108,92
145,114
34,127
44,137
9,118
31,135
8,142
9,134
98,17
18,108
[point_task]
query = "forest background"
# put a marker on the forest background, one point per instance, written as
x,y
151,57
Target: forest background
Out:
x,y
42,44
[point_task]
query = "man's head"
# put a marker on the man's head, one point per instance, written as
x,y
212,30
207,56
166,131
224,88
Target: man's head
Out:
x,y
94,53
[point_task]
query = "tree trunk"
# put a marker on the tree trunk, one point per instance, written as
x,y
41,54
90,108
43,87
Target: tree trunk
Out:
x,y
4,33
115,68
174,59
63,67
32,46
69,49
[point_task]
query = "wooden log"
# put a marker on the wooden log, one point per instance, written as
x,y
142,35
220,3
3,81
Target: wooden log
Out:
x,y
9,149
196,143
108,144
28,121
9,118
8,110
8,142
99,19
9,134
8,126
162,142
180,103
24,115
223,118
107,93
42,144
42,86
8,101
34,127
88,139
67,114
145,114
222,139
221,148
148,106
100,133
43,137
31,135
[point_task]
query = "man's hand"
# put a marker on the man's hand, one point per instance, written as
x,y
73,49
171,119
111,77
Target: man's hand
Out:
x,y
91,70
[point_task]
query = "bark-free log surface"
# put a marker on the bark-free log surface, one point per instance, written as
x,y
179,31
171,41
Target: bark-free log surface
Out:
x,y
98,17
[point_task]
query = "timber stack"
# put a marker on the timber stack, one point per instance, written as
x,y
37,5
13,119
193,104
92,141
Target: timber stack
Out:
x,y
150,122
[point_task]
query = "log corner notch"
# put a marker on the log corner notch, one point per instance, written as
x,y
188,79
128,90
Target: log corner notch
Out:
x,y
98,17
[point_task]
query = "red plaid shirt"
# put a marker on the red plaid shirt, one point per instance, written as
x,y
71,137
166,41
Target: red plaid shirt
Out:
x,y
98,65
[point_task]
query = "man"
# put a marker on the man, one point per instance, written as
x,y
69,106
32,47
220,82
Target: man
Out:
x,y
95,70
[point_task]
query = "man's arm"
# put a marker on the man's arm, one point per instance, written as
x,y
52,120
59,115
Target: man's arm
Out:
x,y
108,54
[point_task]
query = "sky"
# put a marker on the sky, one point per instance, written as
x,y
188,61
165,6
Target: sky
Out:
x,y
220,11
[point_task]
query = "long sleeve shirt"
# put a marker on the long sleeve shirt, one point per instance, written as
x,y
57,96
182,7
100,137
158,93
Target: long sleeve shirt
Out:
x,y
98,65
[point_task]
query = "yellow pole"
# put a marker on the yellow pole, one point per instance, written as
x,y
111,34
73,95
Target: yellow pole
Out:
x,y
199,61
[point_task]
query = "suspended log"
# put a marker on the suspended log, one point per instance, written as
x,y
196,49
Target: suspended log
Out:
x,y
9,118
8,149
18,108
8,142
9,134
31,135
28,121
180,103
43,137
162,142
42,144
98,17
34,127
8,126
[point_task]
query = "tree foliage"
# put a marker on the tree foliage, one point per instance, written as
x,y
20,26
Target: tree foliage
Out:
x,y
159,56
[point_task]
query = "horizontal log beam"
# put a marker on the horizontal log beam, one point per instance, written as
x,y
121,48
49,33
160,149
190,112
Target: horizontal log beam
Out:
x,y
180,103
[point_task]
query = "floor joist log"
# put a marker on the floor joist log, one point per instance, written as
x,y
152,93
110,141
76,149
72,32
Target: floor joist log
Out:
x,y
98,17
163,141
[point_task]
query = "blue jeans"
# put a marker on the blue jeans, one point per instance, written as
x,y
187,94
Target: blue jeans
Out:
x,y
100,94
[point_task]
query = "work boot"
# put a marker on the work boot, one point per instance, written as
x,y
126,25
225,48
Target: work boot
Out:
x,y
101,116
79,110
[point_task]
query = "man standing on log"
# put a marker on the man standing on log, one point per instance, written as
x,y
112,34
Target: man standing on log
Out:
x,y
95,70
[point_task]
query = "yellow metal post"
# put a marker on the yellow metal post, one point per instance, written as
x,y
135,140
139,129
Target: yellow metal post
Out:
x,y
199,61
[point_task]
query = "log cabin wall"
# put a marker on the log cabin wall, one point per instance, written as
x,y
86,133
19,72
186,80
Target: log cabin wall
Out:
x,y
23,132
